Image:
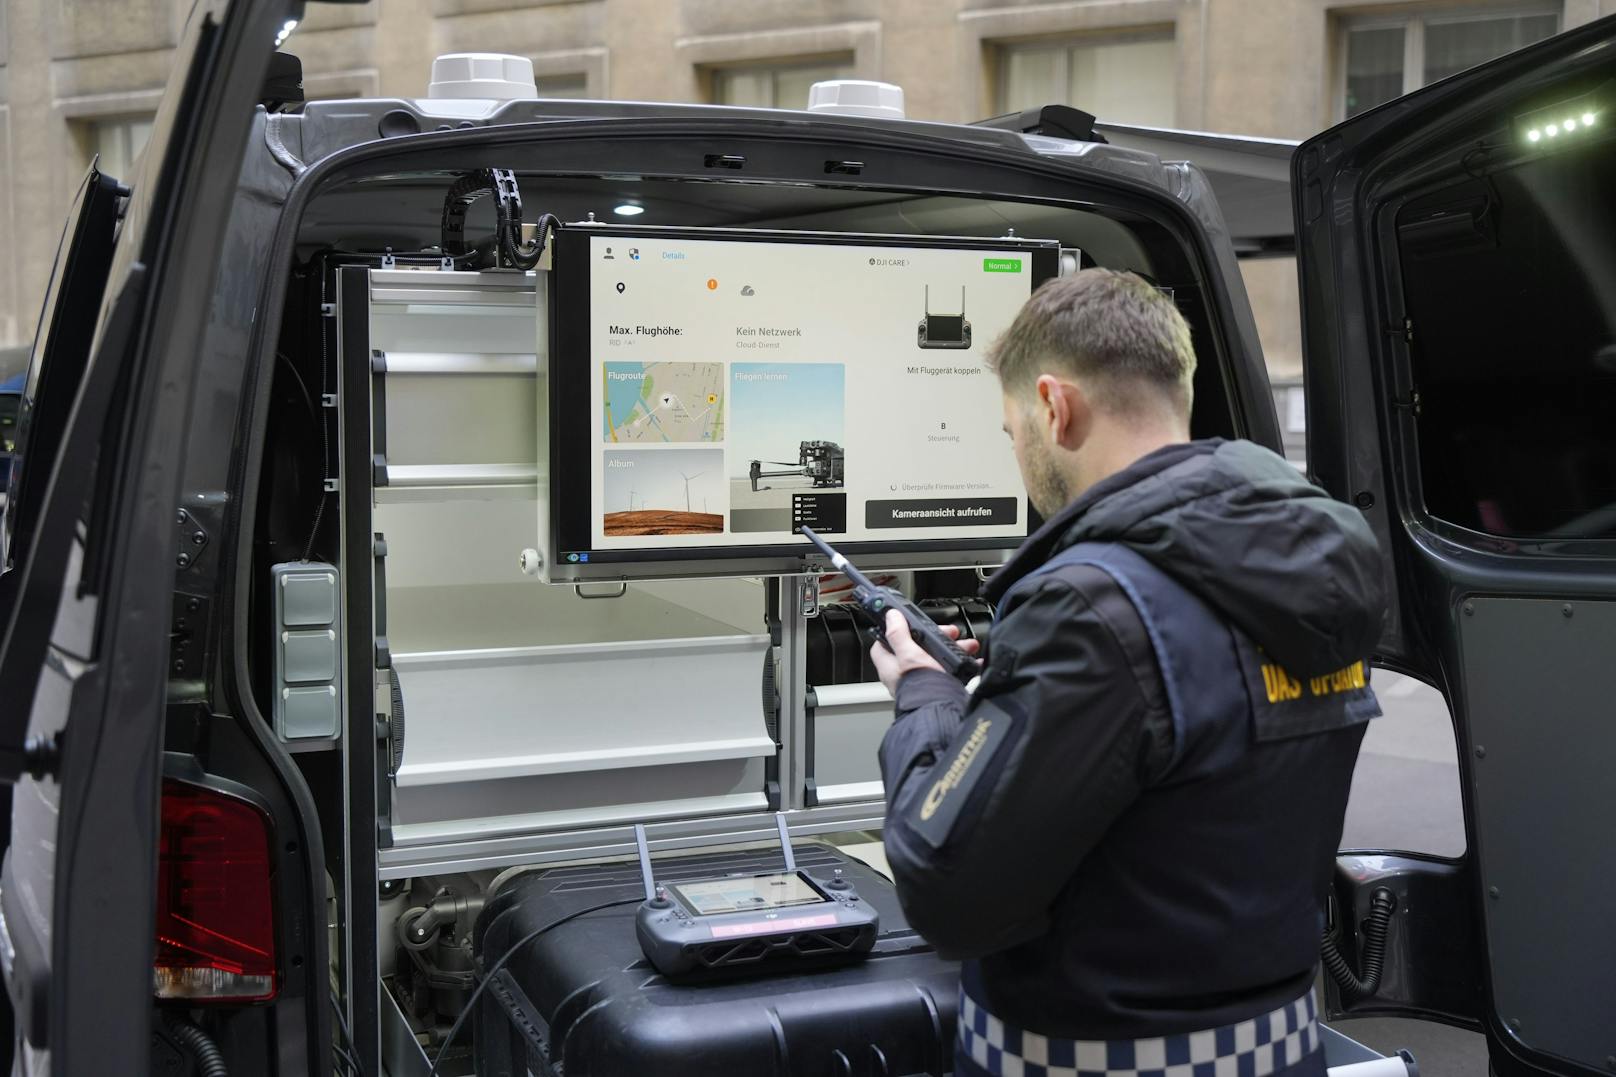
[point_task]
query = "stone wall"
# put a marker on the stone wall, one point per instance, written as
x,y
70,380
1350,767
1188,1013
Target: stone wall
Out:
x,y
1260,67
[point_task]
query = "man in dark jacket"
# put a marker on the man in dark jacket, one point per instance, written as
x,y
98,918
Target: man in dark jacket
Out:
x,y
1127,829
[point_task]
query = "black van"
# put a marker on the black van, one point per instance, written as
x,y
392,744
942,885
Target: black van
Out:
x,y
273,392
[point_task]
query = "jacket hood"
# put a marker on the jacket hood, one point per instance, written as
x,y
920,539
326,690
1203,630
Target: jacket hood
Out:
x,y
1298,571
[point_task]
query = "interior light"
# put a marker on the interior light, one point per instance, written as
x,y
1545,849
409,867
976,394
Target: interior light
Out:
x,y
285,32
1552,129
1533,135
1570,124
1587,119
629,209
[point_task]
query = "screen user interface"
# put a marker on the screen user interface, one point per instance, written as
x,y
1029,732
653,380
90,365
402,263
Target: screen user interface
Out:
x,y
745,893
741,389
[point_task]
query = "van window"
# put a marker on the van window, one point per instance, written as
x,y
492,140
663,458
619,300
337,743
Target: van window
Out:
x,y
35,411
1516,415
10,400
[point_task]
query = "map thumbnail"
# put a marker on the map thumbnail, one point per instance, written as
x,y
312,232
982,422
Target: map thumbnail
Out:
x,y
664,402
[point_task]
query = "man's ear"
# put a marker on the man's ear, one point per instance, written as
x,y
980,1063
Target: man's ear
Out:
x,y
1064,410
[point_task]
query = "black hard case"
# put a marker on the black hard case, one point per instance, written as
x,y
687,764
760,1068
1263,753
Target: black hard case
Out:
x,y
581,1000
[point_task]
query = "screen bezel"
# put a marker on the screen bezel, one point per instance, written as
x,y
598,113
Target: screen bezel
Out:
x,y
570,500
678,891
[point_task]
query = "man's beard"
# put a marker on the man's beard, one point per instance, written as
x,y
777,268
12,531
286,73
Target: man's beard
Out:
x,y
1047,488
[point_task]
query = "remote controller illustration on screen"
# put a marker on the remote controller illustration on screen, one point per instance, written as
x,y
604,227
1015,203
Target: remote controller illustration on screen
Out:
x,y
944,330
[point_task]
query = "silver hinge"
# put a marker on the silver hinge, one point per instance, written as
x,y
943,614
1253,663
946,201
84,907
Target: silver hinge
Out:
x,y
330,486
810,596
328,310
328,400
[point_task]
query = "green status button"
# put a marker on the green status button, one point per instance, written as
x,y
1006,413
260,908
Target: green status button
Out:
x,y
1001,265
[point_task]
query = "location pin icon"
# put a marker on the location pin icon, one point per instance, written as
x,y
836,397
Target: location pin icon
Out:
x,y
620,287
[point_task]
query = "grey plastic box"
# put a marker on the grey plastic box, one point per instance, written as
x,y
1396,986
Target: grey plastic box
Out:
x,y
308,653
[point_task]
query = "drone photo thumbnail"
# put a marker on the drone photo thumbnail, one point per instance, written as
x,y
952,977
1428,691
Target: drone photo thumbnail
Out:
x,y
786,437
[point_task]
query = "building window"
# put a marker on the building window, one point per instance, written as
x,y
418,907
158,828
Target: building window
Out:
x,y
775,85
117,141
1119,78
1385,57
571,85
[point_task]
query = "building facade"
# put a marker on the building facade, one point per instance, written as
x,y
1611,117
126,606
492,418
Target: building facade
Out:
x,y
82,77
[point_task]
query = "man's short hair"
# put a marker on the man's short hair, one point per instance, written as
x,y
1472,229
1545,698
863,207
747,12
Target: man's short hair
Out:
x,y
1113,332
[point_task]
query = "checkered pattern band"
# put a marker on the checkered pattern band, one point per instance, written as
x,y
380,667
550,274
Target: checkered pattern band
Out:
x,y
1259,1047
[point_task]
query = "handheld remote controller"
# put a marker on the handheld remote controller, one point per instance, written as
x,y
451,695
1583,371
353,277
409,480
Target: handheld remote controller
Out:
x,y
875,601
742,919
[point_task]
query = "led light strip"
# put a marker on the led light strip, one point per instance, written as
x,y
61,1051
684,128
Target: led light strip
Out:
x,y
1568,125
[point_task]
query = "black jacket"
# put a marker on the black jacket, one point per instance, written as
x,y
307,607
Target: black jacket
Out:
x,y
1050,836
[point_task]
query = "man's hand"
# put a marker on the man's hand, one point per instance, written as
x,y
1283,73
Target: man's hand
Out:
x,y
906,654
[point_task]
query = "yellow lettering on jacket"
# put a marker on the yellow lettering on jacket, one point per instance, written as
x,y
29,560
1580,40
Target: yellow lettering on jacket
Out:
x,y
957,769
1282,687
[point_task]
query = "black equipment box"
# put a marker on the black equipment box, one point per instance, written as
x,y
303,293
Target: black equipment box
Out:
x,y
839,638
581,1000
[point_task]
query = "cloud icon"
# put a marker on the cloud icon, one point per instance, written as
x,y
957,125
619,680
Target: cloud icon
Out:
x,y
746,289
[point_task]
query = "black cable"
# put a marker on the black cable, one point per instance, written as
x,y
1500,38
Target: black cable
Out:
x,y
325,424
494,969
344,1048
303,386
1381,904
342,1018
474,257
501,184
209,1060
421,257
511,245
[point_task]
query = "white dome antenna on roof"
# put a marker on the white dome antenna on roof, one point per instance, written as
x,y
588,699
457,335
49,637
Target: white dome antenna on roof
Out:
x,y
484,76
856,97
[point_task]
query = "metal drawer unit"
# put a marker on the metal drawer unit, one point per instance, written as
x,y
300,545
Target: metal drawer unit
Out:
x,y
539,720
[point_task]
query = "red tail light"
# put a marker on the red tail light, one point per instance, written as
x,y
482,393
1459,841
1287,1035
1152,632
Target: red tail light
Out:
x,y
215,902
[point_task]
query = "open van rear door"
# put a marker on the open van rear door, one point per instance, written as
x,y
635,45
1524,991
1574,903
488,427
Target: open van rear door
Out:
x,y
83,659
1457,253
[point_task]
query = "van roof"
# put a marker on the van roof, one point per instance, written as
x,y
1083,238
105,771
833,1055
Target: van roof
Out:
x,y
1249,177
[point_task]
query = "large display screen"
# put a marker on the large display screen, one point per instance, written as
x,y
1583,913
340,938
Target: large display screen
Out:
x,y
712,392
